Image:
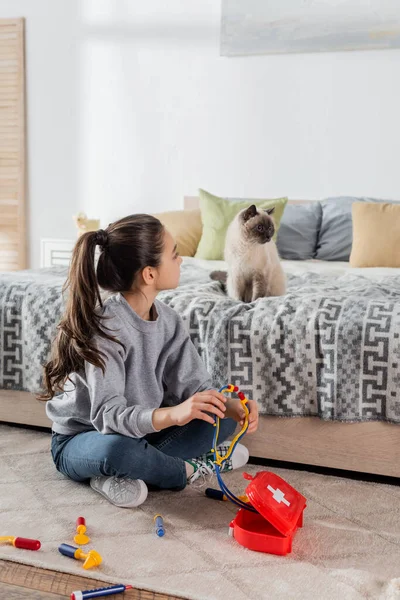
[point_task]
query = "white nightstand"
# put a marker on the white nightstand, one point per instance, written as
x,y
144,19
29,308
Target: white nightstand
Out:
x,y
55,252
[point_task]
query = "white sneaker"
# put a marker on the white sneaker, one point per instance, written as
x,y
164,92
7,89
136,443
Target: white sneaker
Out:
x,y
203,471
123,492
204,467
239,458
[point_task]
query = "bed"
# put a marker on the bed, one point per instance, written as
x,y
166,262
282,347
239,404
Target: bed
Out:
x,y
304,417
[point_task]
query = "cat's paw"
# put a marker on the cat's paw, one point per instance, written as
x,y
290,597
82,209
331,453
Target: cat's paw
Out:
x,y
220,276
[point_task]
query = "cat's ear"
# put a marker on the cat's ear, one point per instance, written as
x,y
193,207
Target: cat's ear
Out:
x,y
269,211
249,213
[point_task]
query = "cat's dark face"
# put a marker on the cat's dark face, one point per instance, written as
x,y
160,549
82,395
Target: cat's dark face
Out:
x,y
257,227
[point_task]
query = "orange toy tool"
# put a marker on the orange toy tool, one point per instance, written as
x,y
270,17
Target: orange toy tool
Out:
x,y
19,542
80,537
92,558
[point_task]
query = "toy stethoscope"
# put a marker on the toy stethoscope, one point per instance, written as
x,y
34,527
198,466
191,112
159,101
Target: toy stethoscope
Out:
x,y
220,460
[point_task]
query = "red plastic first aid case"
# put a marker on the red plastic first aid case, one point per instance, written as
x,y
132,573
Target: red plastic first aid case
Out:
x,y
280,512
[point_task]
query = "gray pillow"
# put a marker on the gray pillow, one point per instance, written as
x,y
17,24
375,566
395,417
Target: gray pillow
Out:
x,y
336,232
298,232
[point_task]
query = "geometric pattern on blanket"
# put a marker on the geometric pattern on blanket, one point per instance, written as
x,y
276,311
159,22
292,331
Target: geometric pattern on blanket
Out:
x,y
31,305
330,347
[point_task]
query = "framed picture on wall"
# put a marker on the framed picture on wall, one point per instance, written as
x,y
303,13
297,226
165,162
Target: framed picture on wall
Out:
x,y
282,26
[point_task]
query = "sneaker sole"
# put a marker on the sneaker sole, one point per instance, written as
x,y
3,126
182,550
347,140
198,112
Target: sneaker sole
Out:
x,y
142,497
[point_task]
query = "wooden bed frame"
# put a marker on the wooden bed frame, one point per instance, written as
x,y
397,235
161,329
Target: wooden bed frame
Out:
x,y
369,447
372,447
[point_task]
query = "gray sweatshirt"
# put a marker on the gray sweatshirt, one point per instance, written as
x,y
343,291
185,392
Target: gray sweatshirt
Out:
x,y
159,366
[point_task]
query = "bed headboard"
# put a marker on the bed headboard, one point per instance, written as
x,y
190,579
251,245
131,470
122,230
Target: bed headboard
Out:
x,y
192,202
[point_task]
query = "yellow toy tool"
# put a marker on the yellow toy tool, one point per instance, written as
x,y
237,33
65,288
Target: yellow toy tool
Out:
x,y
91,558
80,537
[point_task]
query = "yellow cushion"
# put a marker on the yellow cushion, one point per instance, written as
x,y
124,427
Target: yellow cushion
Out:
x,y
186,227
376,235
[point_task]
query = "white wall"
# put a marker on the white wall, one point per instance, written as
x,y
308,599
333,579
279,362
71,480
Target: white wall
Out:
x,y
130,107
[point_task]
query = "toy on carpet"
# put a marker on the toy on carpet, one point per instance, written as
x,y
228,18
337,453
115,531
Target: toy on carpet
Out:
x,y
159,525
274,511
91,558
19,542
80,537
218,495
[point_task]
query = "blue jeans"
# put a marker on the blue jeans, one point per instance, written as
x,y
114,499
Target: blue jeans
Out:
x,y
158,459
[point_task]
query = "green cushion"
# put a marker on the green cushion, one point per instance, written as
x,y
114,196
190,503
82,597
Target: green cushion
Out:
x,y
216,215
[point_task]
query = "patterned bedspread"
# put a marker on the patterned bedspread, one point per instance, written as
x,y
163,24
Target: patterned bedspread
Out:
x,y
31,305
330,347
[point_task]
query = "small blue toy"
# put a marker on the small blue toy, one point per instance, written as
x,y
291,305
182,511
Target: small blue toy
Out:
x,y
159,525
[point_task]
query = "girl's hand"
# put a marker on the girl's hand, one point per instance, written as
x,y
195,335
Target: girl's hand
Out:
x,y
200,406
235,411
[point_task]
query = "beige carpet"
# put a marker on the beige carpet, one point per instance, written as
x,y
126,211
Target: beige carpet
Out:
x,y
349,547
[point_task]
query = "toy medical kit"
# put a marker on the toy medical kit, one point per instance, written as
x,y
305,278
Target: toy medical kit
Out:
x,y
274,511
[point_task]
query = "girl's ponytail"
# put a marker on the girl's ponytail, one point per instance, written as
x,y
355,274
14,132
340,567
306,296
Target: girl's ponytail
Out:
x,y
75,338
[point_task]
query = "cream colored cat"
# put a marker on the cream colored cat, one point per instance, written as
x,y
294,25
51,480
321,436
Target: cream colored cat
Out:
x,y
254,268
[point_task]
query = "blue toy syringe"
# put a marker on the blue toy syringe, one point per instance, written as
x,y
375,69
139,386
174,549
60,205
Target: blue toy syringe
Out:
x,y
159,525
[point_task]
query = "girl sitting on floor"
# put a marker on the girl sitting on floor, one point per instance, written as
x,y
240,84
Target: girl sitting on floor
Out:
x,y
129,396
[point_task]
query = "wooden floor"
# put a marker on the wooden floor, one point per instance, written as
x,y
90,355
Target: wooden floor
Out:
x,y
22,582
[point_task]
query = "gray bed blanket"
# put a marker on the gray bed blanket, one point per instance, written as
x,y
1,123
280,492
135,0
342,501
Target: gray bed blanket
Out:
x,y
330,347
31,305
